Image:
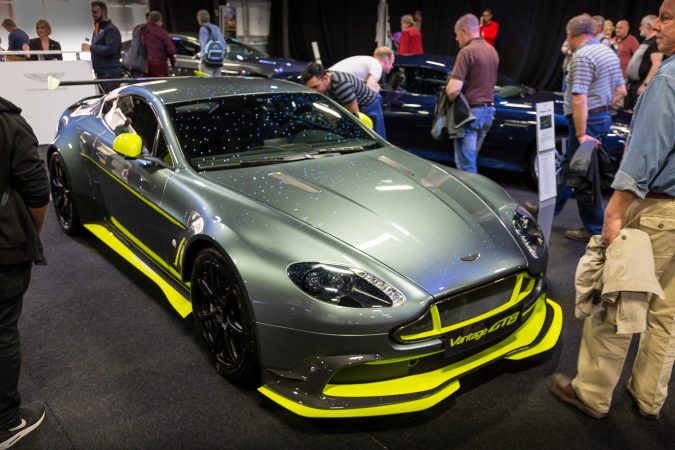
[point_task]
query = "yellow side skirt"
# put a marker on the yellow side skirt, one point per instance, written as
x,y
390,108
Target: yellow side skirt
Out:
x,y
177,300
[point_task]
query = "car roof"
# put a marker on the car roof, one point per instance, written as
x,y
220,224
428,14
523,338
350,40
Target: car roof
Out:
x,y
184,89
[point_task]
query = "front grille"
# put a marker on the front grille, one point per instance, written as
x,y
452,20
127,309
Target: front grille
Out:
x,y
449,313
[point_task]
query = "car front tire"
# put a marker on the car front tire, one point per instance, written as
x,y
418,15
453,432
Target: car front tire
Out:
x,y
63,198
223,321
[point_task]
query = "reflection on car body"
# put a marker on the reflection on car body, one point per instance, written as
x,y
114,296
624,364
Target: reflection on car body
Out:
x,y
345,276
409,99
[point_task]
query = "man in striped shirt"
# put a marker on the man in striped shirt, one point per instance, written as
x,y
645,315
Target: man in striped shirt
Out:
x,y
594,83
347,90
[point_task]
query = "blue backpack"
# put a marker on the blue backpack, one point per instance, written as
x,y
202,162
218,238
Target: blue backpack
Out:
x,y
213,52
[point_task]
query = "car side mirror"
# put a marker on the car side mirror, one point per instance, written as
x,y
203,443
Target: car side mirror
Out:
x,y
128,144
367,121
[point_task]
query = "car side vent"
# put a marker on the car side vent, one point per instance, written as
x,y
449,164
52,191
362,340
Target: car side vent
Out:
x,y
292,181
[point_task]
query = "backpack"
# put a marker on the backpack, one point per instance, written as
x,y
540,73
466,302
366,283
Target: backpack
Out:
x,y
135,58
213,52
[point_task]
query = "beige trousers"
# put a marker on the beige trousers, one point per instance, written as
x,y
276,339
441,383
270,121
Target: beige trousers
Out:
x,y
603,352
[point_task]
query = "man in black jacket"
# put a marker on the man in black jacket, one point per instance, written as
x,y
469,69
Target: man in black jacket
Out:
x,y
105,47
24,196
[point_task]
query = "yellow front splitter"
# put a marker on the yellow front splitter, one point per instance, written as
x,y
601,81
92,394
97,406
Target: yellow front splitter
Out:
x,y
432,387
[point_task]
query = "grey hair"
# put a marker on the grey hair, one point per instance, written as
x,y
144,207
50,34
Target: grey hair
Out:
x,y
467,21
649,20
599,21
408,19
155,16
582,24
203,16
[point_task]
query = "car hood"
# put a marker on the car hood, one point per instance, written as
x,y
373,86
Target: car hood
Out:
x,y
410,215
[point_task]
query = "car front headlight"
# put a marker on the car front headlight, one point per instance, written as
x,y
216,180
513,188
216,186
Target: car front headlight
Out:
x,y
344,285
529,232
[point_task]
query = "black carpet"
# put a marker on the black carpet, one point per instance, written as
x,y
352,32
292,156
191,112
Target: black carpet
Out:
x,y
118,368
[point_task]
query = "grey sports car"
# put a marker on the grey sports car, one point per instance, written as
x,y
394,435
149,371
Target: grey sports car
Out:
x,y
339,274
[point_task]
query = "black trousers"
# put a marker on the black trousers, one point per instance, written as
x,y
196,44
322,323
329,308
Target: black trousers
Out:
x,y
14,281
110,85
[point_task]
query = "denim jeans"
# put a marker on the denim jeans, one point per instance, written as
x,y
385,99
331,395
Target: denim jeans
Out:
x,y
374,111
14,281
467,148
597,126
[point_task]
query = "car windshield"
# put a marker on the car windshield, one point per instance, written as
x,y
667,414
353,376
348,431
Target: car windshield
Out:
x,y
261,126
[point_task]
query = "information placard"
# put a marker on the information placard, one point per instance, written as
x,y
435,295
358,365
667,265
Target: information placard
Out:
x,y
40,106
546,164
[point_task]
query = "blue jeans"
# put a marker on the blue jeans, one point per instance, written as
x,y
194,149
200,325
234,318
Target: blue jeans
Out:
x,y
374,111
466,148
597,126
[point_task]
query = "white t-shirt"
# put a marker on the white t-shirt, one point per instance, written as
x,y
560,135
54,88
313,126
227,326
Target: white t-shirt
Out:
x,y
360,67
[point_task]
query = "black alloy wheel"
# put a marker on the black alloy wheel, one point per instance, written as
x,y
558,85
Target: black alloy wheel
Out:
x,y
223,322
62,196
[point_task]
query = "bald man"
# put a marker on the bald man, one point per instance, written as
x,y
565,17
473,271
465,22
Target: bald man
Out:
x,y
625,44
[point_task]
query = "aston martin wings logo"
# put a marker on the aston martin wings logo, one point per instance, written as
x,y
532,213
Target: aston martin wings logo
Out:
x,y
42,77
470,258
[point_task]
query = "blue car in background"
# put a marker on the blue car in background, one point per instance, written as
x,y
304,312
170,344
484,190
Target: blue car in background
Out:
x,y
409,97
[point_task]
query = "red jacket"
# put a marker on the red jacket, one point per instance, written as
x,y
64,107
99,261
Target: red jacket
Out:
x,y
411,42
489,32
157,43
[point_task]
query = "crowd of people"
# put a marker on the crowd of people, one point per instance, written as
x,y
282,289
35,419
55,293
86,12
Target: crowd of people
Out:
x,y
604,65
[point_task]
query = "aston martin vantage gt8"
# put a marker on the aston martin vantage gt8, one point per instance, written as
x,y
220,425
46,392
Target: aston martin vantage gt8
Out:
x,y
344,276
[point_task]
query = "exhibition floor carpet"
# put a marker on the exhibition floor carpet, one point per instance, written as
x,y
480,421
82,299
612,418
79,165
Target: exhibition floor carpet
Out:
x,y
118,368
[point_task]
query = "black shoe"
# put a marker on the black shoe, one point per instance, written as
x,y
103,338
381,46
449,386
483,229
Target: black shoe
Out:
x,y
531,208
30,417
581,235
641,411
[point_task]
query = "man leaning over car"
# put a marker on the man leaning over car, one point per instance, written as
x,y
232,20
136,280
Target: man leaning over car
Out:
x,y
644,198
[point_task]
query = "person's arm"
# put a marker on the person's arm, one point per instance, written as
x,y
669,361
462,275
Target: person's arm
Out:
x,y
38,215
619,93
616,209
580,116
352,107
656,59
453,88
372,83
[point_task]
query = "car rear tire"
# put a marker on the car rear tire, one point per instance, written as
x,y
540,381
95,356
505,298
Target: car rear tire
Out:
x,y
63,198
223,321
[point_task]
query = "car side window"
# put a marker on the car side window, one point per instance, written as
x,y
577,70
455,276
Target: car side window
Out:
x,y
162,150
185,47
417,80
131,114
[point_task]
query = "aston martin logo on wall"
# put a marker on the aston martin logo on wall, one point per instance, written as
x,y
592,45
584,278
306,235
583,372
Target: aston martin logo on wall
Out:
x,y
470,258
42,77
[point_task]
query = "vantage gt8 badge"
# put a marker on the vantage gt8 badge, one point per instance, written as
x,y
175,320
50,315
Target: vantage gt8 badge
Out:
x,y
478,333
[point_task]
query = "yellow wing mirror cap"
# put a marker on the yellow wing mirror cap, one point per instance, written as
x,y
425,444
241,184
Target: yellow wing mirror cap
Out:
x,y
367,121
128,144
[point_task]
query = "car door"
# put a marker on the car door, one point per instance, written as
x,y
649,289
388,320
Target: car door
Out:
x,y
131,188
408,101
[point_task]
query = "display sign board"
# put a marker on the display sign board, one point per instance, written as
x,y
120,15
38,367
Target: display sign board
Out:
x,y
546,154
40,106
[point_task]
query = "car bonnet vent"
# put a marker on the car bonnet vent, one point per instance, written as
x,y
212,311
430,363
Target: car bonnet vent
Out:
x,y
292,181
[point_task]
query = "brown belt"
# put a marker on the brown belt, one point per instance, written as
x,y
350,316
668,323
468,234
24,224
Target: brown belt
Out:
x,y
658,195
599,109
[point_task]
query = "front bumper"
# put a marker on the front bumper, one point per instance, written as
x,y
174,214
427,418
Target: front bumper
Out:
x,y
307,389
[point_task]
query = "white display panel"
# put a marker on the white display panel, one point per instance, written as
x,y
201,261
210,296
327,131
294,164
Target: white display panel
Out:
x,y
42,107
